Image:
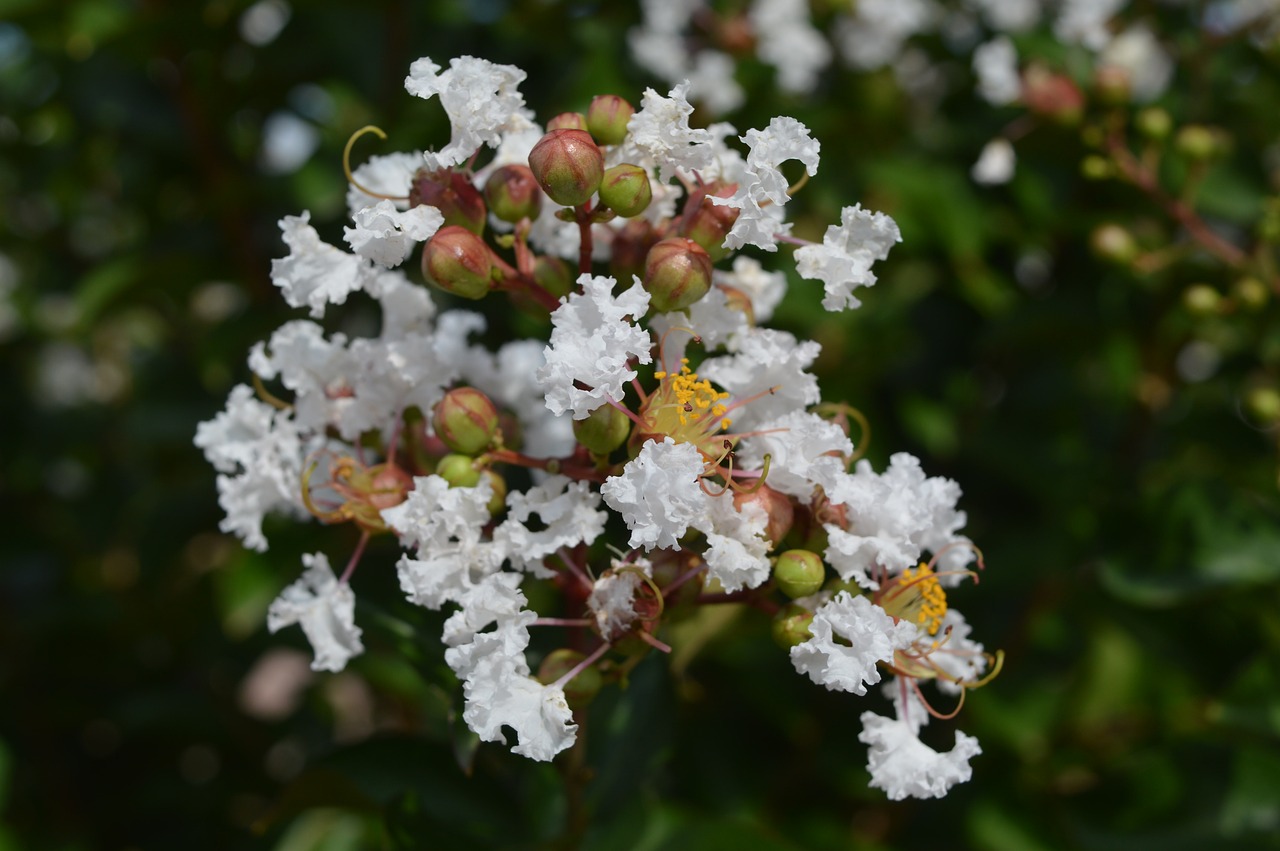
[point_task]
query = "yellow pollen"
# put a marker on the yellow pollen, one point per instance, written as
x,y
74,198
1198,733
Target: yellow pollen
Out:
x,y
932,599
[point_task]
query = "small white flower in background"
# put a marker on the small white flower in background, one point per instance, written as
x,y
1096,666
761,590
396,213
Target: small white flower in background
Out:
x,y
660,129
325,609
1146,65
996,65
995,164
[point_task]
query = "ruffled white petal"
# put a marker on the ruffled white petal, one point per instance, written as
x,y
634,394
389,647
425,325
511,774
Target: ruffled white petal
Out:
x,y
658,493
868,636
325,608
905,767
843,261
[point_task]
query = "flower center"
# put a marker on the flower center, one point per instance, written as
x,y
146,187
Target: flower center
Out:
x,y
917,596
688,409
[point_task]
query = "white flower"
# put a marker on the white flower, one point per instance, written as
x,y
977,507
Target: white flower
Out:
x,y
903,766
658,493
867,636
1145,63
1085,21
710,319
765,288
568,513
258,453
786,39
387,236
612,601
591,343
770,364
843,261
386,174
996,66
480,97
315,274
499,693
661,130
995,164
762,189
801,447
737,553
874,35
325,608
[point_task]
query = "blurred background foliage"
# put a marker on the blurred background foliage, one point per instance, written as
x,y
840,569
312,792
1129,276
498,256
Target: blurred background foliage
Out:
x,y
1115,437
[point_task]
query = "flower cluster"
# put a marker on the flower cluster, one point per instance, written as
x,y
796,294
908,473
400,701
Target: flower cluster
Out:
x,y
658,402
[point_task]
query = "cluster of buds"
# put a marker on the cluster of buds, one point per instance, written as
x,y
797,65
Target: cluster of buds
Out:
x,y
658,397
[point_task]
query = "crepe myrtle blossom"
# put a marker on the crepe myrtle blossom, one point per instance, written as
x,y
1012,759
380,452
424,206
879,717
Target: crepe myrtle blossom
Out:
x,y
655,449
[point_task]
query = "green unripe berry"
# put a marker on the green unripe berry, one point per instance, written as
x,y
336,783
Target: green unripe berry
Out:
x,y
604,429
625,189
1197,142
553,275
1264,403
568,166
1094,167
1202,299
1251,293
499,499
799,573
458,470
465,420
607,118
791,626
1154,123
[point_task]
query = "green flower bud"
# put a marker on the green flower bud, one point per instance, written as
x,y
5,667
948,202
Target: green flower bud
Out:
x,y
677,272
1251,293
585,684
1201,299
607,118
799,573
553,275
709,223
513,194
498,501
1112,85
791,626
465,420
1197,142
452,194
1113,242
1094,167
604,430
777,507
568,121
625,189
458,470
1154,123
568,166
457,261
1264,403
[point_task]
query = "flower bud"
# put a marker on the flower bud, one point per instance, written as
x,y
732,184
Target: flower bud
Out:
x,y
585,684
677,272
1094,167
568,121
388,485
1250,293
499,499
604,430
707,223
1197,142
791,626
1201,299
513,194
458,470
553,275
625,189
1113,242
568,166
1154,123
777,507
457,261
607,118
1055,96
1264,403
465,420
452,194
799,573
1112,84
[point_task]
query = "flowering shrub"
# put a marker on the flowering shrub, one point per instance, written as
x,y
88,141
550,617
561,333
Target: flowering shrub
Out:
x,y
661,451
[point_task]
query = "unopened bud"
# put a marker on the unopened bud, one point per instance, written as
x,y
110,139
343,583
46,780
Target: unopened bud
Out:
x,y
799,573
709,223
452,194
1112,85
1055,96
568,166
604,429
585,684
1264,403
513,193
465,420
1094,167
607,118
791,626
1201,299
553,275
677,272
625,189
1154,123
499,499
777,508
1251,293
567,121
458,470
388,486
1113,242
1197,142
457,261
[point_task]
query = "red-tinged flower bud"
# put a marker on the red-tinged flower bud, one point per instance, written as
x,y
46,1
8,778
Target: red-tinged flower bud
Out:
x,y
553,275
707,223
458,261
625,189
630,247
791,626
1113,242
513,193
458,470
1112,85
499,499
736,299
677,272
604,430
1055,96
465,420
777,507
388,486
607,118
568,166
452,194
567,121
580,690
799,573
